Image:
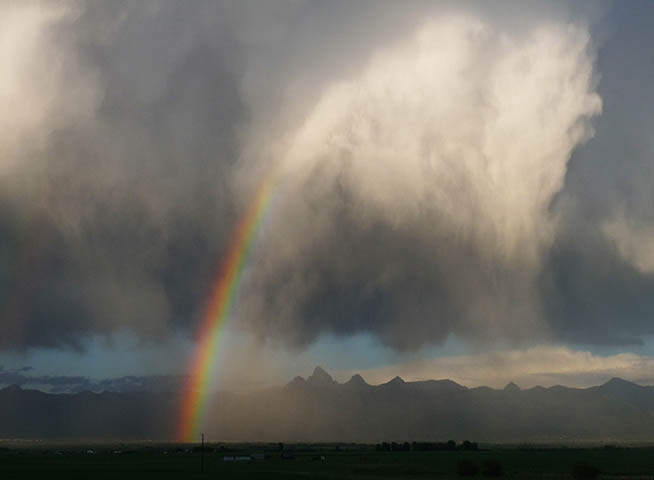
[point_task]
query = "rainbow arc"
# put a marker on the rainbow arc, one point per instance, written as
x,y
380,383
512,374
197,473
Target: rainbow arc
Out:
x,y
219,310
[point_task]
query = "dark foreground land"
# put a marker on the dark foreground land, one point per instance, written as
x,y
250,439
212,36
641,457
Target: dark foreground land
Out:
x,y
308,462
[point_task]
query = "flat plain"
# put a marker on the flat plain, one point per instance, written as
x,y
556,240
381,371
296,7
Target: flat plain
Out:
x,y
312,462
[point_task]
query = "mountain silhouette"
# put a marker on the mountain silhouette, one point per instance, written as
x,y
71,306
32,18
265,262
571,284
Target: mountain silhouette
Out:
x,y
356,381
395,382
321,409
320,377
511,387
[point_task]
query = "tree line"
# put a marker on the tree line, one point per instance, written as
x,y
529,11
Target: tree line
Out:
x,y
425,446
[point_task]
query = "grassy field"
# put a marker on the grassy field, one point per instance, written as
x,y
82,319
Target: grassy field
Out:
x,y
161,462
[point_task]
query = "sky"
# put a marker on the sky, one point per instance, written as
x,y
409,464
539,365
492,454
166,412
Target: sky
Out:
x,y
459,190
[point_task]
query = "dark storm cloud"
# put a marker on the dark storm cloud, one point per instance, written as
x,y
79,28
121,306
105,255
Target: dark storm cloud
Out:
x,y
119,222
125,176
598,277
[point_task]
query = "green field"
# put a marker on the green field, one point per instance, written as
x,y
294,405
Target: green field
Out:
x,y
354,462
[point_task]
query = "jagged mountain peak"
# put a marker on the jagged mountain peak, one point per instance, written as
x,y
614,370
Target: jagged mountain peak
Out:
x,y
617,381
356,380
320,377
617,384
511,387
395,381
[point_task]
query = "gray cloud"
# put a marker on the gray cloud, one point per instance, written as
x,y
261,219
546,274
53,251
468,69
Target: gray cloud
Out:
x,y
597,278
438,169
119,219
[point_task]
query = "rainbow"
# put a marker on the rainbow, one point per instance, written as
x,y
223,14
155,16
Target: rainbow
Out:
x,y
218,312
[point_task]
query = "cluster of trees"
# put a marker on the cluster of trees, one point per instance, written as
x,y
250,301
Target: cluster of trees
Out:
x,y
425,446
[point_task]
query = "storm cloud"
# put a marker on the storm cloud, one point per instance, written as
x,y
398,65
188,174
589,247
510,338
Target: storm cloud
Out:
x,y
438,169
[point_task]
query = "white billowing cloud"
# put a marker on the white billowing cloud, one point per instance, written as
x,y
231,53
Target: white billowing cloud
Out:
x,y
462,121
634,240
43,85
544,365
453,140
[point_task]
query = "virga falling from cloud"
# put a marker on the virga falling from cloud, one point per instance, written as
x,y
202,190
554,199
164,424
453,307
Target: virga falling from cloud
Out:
x,y
428,186
452,143
43,85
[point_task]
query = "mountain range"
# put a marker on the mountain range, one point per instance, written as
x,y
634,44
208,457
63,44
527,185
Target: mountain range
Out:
x,y
319,409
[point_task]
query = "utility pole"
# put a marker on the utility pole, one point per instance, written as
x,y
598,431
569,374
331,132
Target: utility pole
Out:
x,y
202,454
